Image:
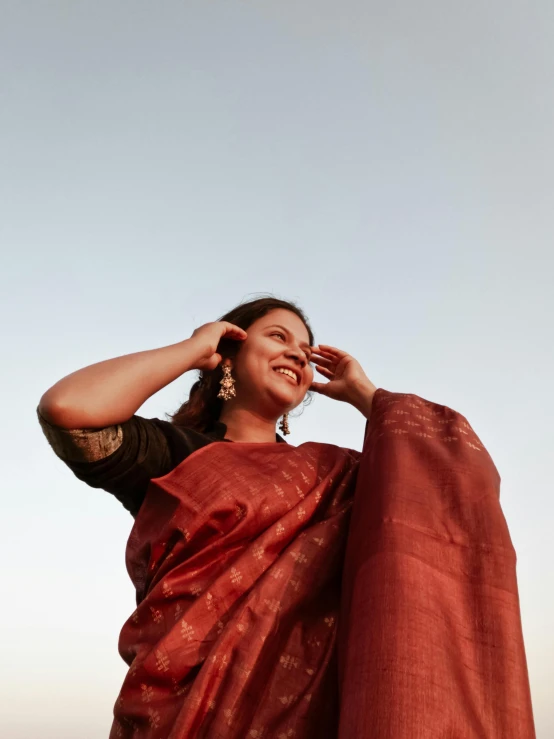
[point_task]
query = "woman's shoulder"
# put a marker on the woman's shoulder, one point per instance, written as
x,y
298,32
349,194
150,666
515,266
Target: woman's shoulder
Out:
x,y
123,458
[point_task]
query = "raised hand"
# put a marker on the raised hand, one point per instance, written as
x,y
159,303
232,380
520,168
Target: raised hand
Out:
x,y
206,339
347,380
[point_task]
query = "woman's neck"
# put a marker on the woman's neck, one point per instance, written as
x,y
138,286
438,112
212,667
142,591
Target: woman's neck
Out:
x,y
244,425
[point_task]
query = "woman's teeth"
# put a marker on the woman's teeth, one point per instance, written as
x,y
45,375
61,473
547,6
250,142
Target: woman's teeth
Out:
x,y
288,373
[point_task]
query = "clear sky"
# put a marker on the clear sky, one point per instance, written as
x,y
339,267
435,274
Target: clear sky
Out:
x,y
390,166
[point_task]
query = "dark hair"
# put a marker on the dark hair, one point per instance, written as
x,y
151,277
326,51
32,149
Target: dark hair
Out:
x,y
203,407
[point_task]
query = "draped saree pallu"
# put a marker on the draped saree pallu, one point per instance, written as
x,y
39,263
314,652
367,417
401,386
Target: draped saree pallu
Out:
x,y
318,591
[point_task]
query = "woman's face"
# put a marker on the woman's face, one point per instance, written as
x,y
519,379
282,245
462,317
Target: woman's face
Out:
x,y
278,339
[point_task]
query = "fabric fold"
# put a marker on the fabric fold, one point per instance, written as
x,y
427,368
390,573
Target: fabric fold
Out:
x,y
318,591
430,639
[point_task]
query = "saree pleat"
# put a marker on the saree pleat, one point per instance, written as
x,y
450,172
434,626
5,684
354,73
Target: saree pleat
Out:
x,y
317,591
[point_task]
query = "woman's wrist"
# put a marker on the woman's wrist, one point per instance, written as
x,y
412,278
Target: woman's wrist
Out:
x,y
363,398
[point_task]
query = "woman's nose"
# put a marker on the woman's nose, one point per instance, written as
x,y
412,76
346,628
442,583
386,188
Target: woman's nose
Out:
x,y
298,355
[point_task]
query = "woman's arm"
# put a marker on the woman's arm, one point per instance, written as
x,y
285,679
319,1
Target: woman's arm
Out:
x,y
110,392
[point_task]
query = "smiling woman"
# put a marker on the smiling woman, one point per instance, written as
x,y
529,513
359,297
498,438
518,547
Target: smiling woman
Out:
x,y
298,591
259,401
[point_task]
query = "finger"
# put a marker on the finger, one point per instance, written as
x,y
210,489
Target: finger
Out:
x,y
326,354
324,362
231,328
326,373
318,349
318,387
323,355
332,349
322,369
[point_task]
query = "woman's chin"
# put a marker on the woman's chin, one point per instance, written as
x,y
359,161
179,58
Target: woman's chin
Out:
x,y
285,398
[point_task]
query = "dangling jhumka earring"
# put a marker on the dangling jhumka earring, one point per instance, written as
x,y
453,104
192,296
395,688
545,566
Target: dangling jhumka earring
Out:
x,y
227,392
227,383
284,425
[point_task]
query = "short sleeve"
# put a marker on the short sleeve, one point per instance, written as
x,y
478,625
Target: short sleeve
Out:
x,y
120,459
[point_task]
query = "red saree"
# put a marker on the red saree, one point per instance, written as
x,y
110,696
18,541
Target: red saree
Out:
x,y
317,591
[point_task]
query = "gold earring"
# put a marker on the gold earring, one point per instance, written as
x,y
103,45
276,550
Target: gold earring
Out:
x,y
227,383
284,425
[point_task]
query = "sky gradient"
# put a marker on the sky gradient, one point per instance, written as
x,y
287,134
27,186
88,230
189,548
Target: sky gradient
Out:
x,y
389,168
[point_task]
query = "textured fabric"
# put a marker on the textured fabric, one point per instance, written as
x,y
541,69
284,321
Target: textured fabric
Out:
x,y
317,591
81,445
122,459
430,642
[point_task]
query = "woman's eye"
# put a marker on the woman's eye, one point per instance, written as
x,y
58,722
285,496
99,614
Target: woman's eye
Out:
x,y
278,333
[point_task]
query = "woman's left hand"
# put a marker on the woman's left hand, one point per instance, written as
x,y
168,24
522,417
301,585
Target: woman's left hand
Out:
x,y
347,380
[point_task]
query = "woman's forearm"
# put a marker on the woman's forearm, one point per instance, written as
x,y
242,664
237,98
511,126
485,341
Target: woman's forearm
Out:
x,y
112,391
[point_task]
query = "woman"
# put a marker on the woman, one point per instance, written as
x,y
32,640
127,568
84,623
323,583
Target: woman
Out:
x,y
310,591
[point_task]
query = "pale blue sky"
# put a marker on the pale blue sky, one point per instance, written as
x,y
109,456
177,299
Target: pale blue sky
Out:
x,y
389,166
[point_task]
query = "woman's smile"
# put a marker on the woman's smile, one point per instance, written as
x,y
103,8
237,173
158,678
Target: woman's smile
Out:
x,y
286,377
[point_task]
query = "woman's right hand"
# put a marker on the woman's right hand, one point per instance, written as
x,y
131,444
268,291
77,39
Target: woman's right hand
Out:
x,y
207,338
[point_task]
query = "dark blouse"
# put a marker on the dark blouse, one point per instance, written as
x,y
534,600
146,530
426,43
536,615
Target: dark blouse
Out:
x,y
122,459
